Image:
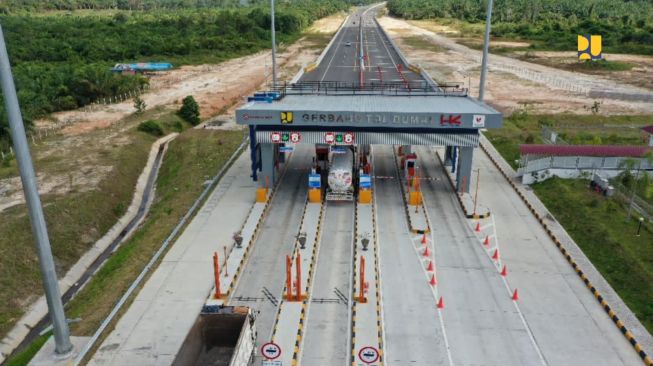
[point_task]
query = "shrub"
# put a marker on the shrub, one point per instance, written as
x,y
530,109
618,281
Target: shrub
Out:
x,y
152,127
190,110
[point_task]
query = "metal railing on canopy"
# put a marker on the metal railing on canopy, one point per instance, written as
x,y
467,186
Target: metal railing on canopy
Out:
x,y
413,88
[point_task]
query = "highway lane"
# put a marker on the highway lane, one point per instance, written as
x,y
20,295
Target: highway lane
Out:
x,y
481,322
567,323
566,319
264,274
411,325
342,61
327,327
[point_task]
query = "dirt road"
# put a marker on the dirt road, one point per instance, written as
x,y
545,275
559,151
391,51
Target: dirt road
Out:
x,y
512,83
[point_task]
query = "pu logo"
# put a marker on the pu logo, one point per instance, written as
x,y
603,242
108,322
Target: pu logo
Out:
x,y
286,118
589,47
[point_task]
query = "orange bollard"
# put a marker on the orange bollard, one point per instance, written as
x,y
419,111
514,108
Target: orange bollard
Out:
x,y
288,280
478,227
361,287
441,303
515,295
495,256
433,281
216,273
486,242
426,252
504,271
424,238
298,267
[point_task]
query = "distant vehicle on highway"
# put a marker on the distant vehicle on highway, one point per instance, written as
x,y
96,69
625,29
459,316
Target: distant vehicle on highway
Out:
x,y
348,44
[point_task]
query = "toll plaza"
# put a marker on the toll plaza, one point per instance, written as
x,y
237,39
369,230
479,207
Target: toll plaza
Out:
x,y
348,114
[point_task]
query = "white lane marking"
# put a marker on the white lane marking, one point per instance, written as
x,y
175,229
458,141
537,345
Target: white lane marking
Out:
x,y
326,70
498,265
432,257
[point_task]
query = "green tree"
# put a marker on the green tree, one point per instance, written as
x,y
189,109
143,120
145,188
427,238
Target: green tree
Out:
x,y
190,110
139,104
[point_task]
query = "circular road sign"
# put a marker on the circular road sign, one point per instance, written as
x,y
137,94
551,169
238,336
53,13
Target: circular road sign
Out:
x,y
349,138
275,137
330,137
295,137
271,351
368,354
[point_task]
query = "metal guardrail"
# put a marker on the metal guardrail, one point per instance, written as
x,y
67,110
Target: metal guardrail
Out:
x,y
410,88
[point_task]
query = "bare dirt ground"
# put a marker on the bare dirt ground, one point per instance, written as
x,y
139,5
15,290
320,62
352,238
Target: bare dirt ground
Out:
x,y
507,90
75,159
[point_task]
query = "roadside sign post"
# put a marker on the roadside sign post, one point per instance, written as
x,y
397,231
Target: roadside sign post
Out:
x,y
368,354
271,351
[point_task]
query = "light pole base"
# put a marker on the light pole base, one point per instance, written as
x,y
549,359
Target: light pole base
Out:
x,y
47,357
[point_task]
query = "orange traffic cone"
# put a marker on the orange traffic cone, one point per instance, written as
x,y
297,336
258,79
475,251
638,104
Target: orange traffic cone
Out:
x,y
430,267
433,281
424,238
441,303
495,256
426,252
515,295
504,271
478,227
486,242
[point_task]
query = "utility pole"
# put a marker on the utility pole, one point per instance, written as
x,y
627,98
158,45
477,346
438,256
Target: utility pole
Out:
x,y
274,46
486,47
39,230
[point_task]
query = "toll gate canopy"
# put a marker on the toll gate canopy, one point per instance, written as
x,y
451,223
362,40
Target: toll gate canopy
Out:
x,y
362,90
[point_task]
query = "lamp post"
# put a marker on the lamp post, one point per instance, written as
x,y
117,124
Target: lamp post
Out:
x,y
274,46
639,227
486,47
39,230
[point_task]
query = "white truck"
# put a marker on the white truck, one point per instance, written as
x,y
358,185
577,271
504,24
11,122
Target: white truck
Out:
x,y
341,177
221,336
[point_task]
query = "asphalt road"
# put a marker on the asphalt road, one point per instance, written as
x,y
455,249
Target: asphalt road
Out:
x,y
412,329
342,61
264,273
567,324
325,339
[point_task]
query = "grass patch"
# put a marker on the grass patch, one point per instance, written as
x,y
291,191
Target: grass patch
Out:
x,y
600,65
317,40
524,128
422,44
193,157
23,357
599,226
75,221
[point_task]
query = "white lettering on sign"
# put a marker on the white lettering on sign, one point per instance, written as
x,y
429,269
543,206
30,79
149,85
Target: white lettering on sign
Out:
x,y
349,138
368,355
271,351
479,120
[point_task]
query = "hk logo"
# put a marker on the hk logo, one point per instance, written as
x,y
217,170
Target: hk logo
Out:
x,y
450,120
589,47
286,118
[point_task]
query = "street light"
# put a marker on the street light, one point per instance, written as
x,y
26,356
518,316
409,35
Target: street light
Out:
x,y
639,227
